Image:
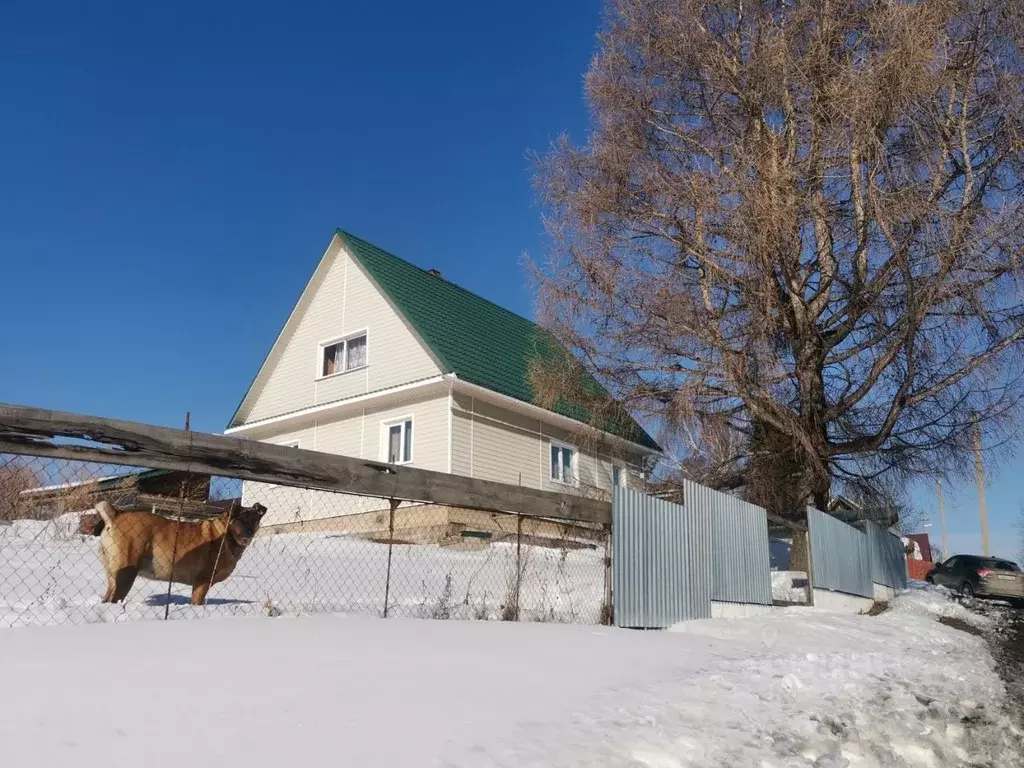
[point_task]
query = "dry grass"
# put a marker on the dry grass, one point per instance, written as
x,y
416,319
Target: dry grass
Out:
x,y
877,608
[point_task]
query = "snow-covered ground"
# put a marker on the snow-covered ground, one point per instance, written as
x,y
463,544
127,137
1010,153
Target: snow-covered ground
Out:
x,y
51,575
789,586
801,687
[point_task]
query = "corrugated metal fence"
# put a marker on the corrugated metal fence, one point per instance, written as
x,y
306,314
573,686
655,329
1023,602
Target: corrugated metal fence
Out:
x,y
740,561
840,556
661,561
670,561
888,557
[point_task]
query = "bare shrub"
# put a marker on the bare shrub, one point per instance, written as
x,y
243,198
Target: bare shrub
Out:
x,y
271,609
481,610
15,479
515,576
443,607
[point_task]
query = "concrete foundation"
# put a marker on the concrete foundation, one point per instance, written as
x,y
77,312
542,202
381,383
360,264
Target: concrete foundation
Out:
x,y
840,602
883,593
738,610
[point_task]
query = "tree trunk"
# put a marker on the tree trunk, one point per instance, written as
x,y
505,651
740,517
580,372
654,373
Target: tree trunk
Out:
x,y
799,553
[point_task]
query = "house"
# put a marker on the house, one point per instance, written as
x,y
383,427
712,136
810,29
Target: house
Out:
x,y
383,360
853,513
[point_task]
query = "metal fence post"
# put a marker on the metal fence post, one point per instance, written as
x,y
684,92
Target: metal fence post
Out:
x,y
810,559
391,545
607,615
177,528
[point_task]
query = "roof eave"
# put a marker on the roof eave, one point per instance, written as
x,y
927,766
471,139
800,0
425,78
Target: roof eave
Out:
x,y
545,413
233,422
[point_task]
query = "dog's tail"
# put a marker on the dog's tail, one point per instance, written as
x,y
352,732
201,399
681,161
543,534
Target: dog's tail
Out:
x,y
106,511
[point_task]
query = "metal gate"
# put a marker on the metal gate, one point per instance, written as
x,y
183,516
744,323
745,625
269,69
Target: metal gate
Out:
x,y
740,560
840,556
888,557
661,561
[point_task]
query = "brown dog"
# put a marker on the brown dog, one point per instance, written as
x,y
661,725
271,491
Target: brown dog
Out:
x,y
138,543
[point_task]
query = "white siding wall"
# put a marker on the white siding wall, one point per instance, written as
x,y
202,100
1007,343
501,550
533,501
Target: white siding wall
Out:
x,y
505,446
462,445
430,432
360,436
283,504
344,301
593,463
493,443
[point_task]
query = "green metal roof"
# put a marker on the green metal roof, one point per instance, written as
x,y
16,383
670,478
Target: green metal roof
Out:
x,y
472,337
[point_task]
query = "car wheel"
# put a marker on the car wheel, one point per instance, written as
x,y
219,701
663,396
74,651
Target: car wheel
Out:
x,y
930,579
966,590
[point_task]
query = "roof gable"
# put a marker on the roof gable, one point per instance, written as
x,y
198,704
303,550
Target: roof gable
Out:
x,y
339,298
477,340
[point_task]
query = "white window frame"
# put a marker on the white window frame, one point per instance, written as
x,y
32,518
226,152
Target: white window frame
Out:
x,y
385,428
322,346
623,475
573,463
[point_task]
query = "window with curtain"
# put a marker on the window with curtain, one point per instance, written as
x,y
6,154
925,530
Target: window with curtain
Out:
x,y
344,355
333,358
355,353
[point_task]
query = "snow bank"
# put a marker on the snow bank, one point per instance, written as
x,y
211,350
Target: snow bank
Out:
x,y
789,586
935,602
898,689
43,531
801,687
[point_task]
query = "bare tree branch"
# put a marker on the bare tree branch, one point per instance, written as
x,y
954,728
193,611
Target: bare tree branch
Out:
x,y
798,224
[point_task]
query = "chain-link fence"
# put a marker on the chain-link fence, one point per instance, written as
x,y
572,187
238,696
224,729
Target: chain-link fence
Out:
x,y
83,542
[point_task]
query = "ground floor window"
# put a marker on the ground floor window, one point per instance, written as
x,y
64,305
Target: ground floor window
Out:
x,y
563,463
398,441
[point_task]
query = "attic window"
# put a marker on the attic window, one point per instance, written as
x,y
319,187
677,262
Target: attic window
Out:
x,y
343,355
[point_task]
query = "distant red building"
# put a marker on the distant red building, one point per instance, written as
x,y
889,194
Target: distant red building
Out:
x,y
923,543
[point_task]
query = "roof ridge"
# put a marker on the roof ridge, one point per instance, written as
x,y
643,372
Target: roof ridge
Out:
x,y
496,305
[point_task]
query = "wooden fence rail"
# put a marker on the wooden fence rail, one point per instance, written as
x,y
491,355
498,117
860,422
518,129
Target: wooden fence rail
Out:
x,y
39,432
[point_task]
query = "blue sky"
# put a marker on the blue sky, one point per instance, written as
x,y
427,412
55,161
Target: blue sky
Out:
x,y
170,174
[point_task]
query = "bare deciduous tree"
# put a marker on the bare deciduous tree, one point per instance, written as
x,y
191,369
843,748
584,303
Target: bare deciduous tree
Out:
x,y
800,223
14,480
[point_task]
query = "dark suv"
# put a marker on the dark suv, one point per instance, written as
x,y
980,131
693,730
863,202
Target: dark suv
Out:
x,y
976,576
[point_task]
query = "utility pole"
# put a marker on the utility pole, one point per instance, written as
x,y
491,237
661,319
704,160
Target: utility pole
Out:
x,y
979,473
942,520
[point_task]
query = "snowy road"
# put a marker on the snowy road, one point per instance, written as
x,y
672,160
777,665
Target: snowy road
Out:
x,y
799,688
